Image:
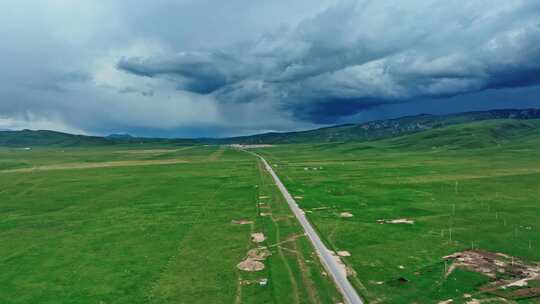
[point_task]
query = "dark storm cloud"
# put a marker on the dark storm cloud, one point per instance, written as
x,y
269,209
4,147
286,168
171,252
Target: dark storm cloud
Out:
x,y
45,41
328,111
197,71
241,67
356,55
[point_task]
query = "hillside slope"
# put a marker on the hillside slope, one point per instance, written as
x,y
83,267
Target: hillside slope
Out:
x,y
30,138
490,136
374,130
381,129
473,135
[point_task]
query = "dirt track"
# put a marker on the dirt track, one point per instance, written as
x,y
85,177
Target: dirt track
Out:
x,y
72,166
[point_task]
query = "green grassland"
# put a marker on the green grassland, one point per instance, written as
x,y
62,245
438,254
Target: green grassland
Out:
x,y
151,222
474,185
149,225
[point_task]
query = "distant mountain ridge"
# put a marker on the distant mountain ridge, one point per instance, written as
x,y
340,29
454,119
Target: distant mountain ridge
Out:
x,y
380,129
120,136
373,130
43,138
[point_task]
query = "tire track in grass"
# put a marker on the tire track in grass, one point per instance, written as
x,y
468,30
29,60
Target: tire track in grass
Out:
x,y
217,154
286,264
238,297
294,284
152,294
313,296
308,283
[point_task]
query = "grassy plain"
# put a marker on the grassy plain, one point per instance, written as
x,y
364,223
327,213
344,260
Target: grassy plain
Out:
x,y
467,186
147,225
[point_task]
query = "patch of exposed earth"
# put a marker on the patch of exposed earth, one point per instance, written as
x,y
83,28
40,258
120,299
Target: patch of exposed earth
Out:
x,y
253,261
259,253
258,237
510,276
396,221
262,281
74,166
346,270
241,222
250,265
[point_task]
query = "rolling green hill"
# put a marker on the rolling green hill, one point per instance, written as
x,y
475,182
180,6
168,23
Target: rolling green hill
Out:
x,y
368,131
381,129
482,134
47,138
30,138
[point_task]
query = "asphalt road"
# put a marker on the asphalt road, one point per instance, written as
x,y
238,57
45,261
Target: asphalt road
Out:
x,y
329,261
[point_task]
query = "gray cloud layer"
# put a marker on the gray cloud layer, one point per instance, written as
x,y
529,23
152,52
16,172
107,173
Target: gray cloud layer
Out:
x,y
358,54
245,66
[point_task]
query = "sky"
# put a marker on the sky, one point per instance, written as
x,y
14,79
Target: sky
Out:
x,y
193,68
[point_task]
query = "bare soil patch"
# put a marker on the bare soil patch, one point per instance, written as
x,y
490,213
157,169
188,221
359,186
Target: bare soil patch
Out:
x,y
346,214
344,253
241,222
254,258
259,253
261,282
250,265
258,237
350,271
396,221
510,275
127,163
320,208
342,267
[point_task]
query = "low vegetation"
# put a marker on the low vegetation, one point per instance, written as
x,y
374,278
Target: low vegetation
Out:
x,y
442,214
148,225
411,201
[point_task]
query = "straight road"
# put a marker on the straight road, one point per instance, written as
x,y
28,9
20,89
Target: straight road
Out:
x,y
328,260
